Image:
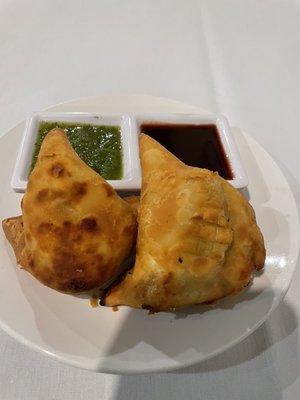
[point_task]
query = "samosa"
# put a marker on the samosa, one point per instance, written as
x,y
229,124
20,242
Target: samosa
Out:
x,y
75,230
198,240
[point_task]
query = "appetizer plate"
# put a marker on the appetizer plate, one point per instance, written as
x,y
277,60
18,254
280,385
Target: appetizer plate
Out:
x,y
68,329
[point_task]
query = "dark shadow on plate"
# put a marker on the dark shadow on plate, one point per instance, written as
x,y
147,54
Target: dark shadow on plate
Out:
x,y
251,368
166,331
281,324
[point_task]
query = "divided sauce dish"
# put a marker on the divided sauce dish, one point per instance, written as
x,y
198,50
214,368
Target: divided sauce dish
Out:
x,y
129,127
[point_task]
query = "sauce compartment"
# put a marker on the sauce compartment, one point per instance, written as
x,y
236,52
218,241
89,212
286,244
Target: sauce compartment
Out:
x,y
34,132
203,141
99,146
196,145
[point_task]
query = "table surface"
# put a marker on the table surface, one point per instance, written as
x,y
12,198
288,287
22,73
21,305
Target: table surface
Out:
x,y
240,58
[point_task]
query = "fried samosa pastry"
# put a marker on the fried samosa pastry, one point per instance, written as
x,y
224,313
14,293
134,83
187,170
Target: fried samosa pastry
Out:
x,y
197,241
14,232
77,230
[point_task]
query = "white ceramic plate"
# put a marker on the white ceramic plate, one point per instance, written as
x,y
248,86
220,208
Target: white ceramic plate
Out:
x,y
68,329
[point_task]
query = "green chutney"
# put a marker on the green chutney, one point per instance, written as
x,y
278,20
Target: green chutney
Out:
x,y
99,146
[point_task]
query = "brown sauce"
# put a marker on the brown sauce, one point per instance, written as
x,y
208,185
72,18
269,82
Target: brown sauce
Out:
x,y
196,145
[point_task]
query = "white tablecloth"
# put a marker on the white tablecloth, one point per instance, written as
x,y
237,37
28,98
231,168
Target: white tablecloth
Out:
x,y
241,58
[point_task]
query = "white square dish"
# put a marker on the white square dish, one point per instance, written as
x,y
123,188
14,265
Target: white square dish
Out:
x,y
131,168
240,179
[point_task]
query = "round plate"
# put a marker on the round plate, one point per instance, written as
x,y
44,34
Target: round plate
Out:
x,y
68,329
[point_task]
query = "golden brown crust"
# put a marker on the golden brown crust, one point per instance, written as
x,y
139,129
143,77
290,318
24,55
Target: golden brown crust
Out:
x,y
77,229
14,232
197,242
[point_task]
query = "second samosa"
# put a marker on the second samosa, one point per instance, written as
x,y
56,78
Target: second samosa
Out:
x,y
198,240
